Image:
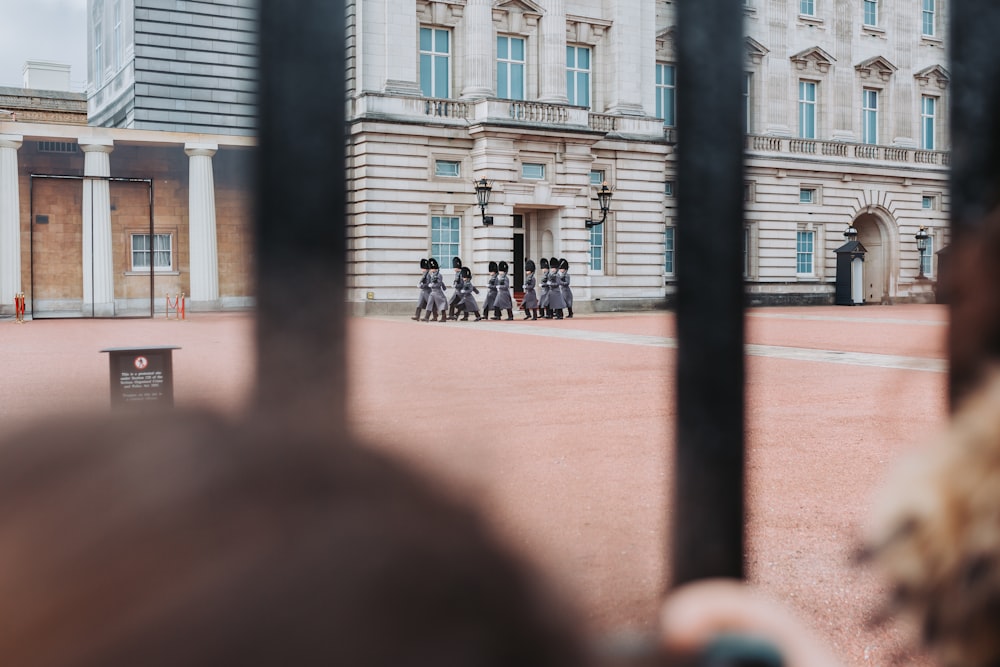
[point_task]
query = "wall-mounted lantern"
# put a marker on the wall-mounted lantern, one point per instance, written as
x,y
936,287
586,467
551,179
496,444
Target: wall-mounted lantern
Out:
x,y
604,200
851,233
923,239
483,190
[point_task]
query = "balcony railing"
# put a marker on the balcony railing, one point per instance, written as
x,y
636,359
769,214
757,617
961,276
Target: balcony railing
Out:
x,y
839,149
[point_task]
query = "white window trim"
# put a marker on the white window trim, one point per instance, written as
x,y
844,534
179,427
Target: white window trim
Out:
x,y
159,270
589,71
865,113
434,54
810,275
510,61
934,123
807,104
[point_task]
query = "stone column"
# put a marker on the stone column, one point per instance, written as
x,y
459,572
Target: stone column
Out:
x,y
98,265
204,254
479,41
633,47
10,222
552,54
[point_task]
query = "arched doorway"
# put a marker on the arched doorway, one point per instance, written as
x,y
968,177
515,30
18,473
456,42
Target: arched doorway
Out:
x,y
876,264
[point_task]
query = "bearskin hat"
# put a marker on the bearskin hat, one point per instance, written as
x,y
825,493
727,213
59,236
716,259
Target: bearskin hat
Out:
x,y
544,262
456,262
467,273
554,263
423,264
529,265
563,264
503,266
493,267
432,263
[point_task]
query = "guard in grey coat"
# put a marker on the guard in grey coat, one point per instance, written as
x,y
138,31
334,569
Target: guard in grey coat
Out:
x,y
437,298
556,301
543,282
503,300
563,280
425,291
456,298
530,303
467,290
491,292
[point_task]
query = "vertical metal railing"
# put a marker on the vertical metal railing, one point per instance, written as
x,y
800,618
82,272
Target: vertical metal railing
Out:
x,y
707,533
301,209
974,94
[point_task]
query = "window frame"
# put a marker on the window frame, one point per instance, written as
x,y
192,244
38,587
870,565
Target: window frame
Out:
x,y
927,258
928,18
432,57
869,8
928,122
526,176
507,63
666,94
869,116
575,74
669,250
151,252
805,258
596,260
453,243
439,162
808,107
807,8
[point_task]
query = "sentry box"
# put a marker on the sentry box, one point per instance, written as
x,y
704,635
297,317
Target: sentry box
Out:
x,y
142,376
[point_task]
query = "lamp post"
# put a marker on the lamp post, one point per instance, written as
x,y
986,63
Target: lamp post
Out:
x,y
923,240
851,233
604,200
483,190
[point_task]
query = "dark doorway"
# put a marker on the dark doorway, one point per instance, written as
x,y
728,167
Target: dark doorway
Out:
x,y
517,269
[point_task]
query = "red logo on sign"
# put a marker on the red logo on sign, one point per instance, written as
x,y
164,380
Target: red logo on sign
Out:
x,y
141,362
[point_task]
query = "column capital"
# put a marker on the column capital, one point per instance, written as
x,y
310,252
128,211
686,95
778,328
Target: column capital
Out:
x,y
196,149
96,144
11,141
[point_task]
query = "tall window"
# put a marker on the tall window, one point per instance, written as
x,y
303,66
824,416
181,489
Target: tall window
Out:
x,y
119,35
807,109
869,116
927,18
98,52
870,9
445,238
804,252
668,251
435,62
161,253
597,248
928,108
510,68
807,7
665,89
927,257
578,75
747,100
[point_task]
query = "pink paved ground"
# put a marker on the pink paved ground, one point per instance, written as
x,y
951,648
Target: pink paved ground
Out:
x,y
566,444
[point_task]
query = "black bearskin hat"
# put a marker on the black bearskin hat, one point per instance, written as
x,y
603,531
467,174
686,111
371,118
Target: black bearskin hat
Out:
x,y
432,263
544,262
493,267
529,265
467,273
554,263
423,264
503,266
563,264
456,262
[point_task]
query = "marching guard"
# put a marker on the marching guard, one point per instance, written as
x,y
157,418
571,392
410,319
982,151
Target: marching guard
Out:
x,y
437,298
456,298
543,282
563,280
556,302
503,299
425,291
530,303
468,304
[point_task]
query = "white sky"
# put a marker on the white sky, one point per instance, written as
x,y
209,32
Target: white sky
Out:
x,y
48,30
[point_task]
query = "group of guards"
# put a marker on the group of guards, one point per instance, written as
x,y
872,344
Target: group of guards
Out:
x,y
554,282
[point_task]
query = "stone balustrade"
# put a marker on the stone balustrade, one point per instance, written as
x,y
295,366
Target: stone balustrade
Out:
x,y
757,144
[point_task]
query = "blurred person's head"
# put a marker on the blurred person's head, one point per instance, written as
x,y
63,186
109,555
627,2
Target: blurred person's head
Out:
x,y
186,540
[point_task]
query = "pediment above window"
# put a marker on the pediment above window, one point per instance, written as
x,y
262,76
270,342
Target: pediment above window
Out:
x,y
665,44
516,16
440,12
585,29
876,68
814,59
755,51
935,75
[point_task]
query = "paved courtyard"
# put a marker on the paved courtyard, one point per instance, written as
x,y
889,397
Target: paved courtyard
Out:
x,y
562,432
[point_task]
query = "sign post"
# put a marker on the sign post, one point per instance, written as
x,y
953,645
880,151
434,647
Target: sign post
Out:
x,y
142,376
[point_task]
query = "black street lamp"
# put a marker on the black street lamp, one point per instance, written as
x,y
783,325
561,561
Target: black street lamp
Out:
x,y
604,200
851,233
483,190
923,241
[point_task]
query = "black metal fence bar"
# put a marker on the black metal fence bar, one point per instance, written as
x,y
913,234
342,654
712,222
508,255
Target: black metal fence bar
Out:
x,y
975,148
301,209
707,531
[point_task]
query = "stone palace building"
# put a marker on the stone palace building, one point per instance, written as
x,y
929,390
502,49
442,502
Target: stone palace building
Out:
x,y
846,112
